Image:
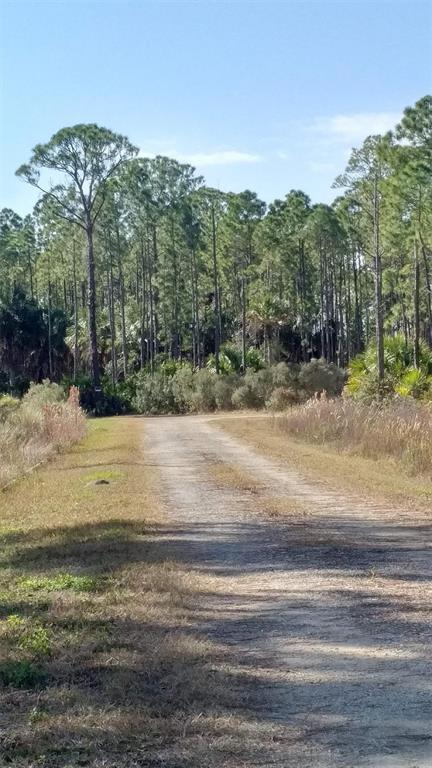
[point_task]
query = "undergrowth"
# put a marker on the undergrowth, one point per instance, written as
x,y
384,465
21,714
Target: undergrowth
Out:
x,y
32,429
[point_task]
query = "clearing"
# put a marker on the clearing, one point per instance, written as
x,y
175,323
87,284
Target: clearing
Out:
x,y
236,610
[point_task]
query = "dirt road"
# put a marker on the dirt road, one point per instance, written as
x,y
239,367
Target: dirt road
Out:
x,y
321,611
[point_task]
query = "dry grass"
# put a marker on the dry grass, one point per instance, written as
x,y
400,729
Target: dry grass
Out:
x,y
276,506
366,477
103,660
233,476
400,429
238,479
33,433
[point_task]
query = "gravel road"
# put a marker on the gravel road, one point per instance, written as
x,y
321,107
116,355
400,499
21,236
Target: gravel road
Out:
x,y
324,609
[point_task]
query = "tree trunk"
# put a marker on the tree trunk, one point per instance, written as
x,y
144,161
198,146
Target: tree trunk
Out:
x,y
30,266
143,305
75,301
50,359
321,277
217,320
243,296
416,308
153,322
50,355
378,287
112,325
197,323
428,287
91,310
123,320
357,307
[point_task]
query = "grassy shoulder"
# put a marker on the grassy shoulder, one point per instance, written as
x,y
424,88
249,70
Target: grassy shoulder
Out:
x,y
99,663
368,478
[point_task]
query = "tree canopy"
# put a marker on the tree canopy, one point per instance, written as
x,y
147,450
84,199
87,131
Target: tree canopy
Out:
x,y
147,264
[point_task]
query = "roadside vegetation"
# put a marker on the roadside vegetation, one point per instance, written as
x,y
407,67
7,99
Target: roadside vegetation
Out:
x,y
407,373
392,424
399,429
101,657
393,428
34,428
380,477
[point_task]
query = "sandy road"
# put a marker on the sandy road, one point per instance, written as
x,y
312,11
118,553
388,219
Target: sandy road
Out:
x,y
325,611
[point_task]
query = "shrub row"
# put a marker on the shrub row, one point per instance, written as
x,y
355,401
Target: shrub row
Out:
x,y
184,390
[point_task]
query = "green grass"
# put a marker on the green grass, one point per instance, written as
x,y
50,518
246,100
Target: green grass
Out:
x,y
60,582
21,674
104,474
36,640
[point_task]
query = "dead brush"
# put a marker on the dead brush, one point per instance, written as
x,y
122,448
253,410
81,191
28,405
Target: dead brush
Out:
x,y
32,433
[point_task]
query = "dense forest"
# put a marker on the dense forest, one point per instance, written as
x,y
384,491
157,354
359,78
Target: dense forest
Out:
x,y
128,262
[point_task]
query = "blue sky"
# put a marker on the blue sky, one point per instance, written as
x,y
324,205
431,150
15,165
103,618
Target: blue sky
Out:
x,y
262,95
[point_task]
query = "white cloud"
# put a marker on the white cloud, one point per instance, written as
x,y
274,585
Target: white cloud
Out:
x,y
222,157
355,127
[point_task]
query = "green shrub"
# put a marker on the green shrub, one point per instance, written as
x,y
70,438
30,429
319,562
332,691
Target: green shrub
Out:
x,y
36,641
46,393
203,398
224,389
245,397
183,388
154,394
282,398
230,359
107,402
226,365
254,359
320,376
8,406
170,367
414,383
186,390
20,674
285,375
400,376
261,384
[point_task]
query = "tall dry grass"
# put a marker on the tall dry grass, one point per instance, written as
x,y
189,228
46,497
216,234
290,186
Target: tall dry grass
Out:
x,y
399,429
35,430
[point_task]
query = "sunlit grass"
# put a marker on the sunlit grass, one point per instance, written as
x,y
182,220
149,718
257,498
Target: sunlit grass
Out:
x,y
399,429
233,476
60,582
367,477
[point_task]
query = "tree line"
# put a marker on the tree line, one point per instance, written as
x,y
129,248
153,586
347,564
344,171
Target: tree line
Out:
x,y
126,261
